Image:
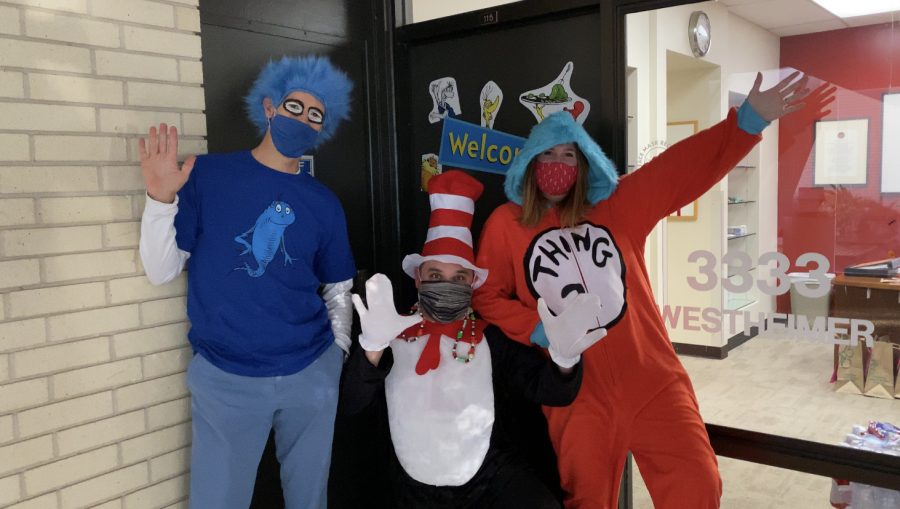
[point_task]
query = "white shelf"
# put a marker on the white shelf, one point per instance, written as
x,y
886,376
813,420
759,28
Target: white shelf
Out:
x,y
738,302
742,185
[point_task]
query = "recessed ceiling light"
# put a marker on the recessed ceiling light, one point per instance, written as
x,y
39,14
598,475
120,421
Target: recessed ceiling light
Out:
x,y
849,9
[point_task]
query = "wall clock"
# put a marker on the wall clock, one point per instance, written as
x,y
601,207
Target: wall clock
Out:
x,y
699,33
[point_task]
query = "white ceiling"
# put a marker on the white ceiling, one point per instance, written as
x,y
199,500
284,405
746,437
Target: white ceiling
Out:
x,y
795,17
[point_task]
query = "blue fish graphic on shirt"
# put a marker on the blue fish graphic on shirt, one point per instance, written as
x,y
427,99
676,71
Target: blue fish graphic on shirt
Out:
x,y
266,236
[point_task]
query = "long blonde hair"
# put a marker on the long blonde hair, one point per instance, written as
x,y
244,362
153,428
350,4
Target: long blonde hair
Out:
x,y
571,208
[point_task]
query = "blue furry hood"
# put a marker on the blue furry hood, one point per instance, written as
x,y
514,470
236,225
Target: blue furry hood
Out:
x,y
312,74
555,129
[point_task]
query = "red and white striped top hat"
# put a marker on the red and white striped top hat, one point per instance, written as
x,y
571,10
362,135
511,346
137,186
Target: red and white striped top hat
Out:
x,y
452,195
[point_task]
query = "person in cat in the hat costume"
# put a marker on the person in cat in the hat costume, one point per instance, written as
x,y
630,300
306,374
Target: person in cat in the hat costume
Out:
x,y
438,376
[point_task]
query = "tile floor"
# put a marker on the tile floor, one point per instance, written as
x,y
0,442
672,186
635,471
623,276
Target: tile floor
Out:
x,y
776,384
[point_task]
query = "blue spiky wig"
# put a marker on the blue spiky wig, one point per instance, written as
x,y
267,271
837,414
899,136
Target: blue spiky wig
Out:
x,y
311,74
560,128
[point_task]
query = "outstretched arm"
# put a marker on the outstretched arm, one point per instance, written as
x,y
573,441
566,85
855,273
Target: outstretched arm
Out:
x,y
689,168
163,260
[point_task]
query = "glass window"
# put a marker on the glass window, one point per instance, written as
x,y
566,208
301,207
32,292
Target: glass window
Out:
x,y
778,285
751,486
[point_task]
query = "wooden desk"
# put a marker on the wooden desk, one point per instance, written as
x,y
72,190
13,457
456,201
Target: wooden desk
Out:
x,y
869,299
867,282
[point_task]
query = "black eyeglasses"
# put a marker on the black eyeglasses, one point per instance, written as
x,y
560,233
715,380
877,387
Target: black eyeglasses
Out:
x,y
296,107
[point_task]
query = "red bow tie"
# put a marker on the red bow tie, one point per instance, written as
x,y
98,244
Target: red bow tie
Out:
x,y
431,354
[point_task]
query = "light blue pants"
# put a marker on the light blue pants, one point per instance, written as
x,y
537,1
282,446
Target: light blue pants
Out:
x,y
232,416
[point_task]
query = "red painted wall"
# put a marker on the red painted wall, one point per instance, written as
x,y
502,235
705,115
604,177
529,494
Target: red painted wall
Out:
x,y
852,224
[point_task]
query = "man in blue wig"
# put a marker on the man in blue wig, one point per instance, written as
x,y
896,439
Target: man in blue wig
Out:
x,y
268,286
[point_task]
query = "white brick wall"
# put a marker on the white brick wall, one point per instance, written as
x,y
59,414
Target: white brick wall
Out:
x,y
167,414
70,470
48,179
164,310
168,465
137,11
11,83
9,490
130,65
44,241
79,148
105,486
22,334
144,394
88,436
45,25
48,501
19,273
74,89
92,323
55,299
161,493
15,147
84,209
9,21
6,430
156,443
94,410
121,234
15,211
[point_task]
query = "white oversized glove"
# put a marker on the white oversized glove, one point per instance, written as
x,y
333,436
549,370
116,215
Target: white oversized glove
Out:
x,y
380,322
567,332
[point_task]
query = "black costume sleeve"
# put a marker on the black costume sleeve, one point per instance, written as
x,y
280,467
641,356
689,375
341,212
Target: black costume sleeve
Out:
x,y
526,370
362,383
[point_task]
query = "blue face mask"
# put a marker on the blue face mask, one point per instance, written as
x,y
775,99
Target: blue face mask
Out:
x,y
292,138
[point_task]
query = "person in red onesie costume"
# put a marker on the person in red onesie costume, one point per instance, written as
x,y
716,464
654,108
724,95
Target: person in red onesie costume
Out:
x,y
571,227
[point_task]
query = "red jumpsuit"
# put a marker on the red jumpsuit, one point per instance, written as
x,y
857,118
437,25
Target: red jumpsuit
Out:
x,y
636,395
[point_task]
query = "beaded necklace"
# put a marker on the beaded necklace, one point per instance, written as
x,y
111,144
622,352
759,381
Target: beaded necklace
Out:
x,y
471,354
469,320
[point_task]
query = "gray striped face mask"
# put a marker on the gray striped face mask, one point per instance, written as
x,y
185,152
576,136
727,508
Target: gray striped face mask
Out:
x,y
443,301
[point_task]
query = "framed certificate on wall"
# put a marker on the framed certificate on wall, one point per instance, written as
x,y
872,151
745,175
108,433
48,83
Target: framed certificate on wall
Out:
x,y
841,152
890,148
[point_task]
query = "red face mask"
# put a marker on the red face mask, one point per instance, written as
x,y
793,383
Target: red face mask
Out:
x,y
555,178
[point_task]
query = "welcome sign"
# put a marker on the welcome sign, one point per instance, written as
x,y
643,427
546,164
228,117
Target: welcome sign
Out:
x,y
470,146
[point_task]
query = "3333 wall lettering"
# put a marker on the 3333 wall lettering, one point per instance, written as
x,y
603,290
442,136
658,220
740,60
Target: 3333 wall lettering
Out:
x,y
740,276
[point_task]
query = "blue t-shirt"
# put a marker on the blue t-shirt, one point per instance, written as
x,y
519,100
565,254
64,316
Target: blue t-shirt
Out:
x,y
261,244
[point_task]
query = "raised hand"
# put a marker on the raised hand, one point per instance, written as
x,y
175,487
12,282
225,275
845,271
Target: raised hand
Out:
x,y
567,332
159,164
380,321
784,98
